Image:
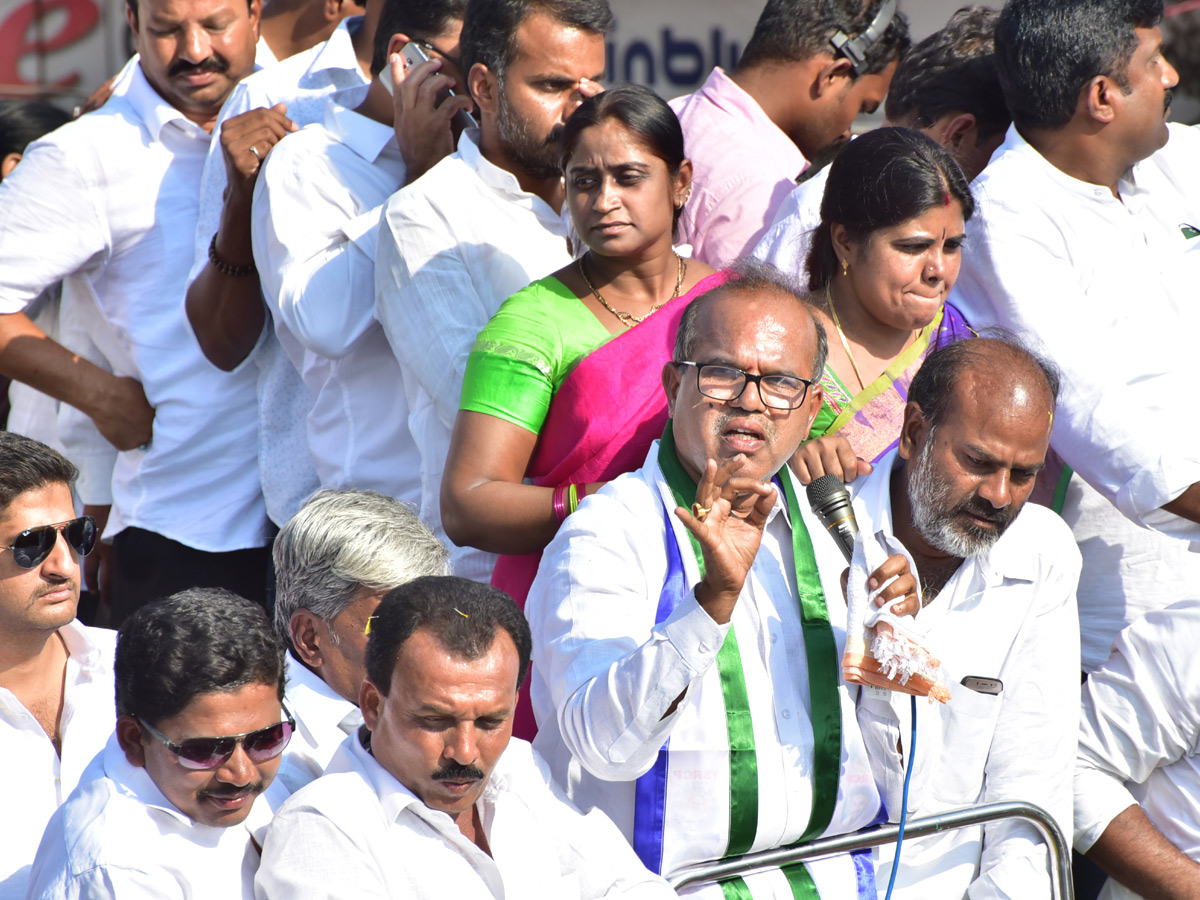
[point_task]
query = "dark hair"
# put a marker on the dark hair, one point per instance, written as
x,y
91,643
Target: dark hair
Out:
x,y
24,121
1047,50
794,30
195,642
932,388
26,465
462,614
952,70
881,179
643,113
747,275
489,34
133,7
419,19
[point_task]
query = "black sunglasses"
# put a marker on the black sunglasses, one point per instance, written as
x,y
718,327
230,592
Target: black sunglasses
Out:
x,y
34,544
213,752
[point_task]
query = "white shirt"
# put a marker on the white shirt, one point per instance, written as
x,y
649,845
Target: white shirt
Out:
x,y
1139,732
1127,570
38,779
358,832
317,204
1010,616
452,247
1107,287
786,243
303,82
118,836
112,197
604,674
323,719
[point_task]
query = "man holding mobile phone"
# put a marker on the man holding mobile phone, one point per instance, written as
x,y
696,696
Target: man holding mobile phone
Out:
x,y
487,220
317,205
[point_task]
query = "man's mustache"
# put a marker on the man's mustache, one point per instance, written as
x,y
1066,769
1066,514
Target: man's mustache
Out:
x,y
214,64
456,772
229,793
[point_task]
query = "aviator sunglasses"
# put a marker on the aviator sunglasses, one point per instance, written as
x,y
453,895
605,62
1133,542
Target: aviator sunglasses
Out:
x,y
34,544
213,752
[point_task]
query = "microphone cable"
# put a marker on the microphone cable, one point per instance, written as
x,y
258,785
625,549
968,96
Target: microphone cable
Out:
x,y
912,753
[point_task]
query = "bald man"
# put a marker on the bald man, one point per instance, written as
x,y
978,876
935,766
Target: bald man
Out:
x,y
998,593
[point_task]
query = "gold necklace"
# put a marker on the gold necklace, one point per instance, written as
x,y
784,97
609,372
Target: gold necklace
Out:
x,y
841,334
628,319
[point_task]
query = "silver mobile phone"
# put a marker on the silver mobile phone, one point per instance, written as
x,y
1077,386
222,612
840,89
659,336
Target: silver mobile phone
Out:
x,y
991,686
414,55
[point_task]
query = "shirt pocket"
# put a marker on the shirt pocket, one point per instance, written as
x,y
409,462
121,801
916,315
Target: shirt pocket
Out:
x,y
968,723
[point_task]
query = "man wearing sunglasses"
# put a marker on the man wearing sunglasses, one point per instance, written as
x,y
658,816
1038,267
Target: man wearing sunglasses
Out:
x,y
55,674
687,619
171,807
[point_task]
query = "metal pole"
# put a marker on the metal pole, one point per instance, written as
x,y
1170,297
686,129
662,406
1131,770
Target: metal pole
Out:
x,y
1060,850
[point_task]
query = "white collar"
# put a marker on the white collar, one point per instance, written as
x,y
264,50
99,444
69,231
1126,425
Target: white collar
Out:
x,y
311,694
155,112
363,135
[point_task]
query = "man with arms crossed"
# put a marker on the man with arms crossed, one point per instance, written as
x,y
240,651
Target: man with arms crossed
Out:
x,y
487,220
333,562
434,798
55,674
687,670
171,808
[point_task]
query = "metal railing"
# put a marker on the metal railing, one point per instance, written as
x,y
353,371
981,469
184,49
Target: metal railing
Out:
x,y
1060,850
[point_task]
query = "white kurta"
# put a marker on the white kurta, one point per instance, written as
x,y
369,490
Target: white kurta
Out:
x,y
605,673
323,719
1009,616
358,832
1139,733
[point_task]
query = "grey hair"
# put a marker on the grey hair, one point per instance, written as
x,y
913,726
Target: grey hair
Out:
x,y
344,540
747,275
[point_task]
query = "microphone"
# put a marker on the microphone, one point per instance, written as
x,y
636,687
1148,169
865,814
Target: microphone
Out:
x,y
830,501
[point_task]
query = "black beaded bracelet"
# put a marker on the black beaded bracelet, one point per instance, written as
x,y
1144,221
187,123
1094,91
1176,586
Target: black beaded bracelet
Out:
x,y
225,268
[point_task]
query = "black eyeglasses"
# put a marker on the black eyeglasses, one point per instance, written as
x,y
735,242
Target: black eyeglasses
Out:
x,y
214,752
429,48
726,383
34,544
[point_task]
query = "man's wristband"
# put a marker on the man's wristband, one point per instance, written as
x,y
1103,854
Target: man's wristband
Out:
x,y
225,268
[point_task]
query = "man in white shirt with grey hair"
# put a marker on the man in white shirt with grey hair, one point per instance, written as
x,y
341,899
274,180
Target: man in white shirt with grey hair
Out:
x,y
487,220
433,798
334,560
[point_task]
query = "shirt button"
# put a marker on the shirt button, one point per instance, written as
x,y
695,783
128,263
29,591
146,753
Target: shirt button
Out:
x,y
787,713
704,648
774,637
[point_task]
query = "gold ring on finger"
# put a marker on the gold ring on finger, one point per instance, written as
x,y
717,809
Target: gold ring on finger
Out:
x,y
700,511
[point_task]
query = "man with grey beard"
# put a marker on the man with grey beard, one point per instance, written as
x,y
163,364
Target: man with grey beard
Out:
x,y
998,590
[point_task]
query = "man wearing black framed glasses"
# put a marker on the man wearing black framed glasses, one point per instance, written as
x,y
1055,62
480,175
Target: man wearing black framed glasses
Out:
x,y
55,673
685,675
177,801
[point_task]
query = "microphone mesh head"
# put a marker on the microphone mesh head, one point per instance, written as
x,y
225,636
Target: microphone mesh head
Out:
x,y
824,489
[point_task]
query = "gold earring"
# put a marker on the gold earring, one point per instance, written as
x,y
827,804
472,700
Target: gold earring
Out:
x,y
845,267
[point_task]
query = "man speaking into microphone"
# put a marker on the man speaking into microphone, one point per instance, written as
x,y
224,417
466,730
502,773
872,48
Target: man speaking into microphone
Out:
x,y
688,620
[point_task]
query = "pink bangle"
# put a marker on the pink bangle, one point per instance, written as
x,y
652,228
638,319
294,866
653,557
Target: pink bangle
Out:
x,y
560,503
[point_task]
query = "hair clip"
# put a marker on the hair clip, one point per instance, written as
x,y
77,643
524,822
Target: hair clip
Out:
x,y
461,613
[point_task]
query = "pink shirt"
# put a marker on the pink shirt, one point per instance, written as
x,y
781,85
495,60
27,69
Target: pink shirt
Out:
x,y
744,168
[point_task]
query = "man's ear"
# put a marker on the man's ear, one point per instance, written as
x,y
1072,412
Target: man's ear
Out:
x,y
485,89
255,15
8,164
307,632
834,77
396,44
129,736
1097,98
914,432
131,17
959,132
671,379
370,703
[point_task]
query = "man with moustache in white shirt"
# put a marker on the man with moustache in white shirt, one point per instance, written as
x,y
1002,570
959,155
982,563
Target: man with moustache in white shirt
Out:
x,y
55,674
176,803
